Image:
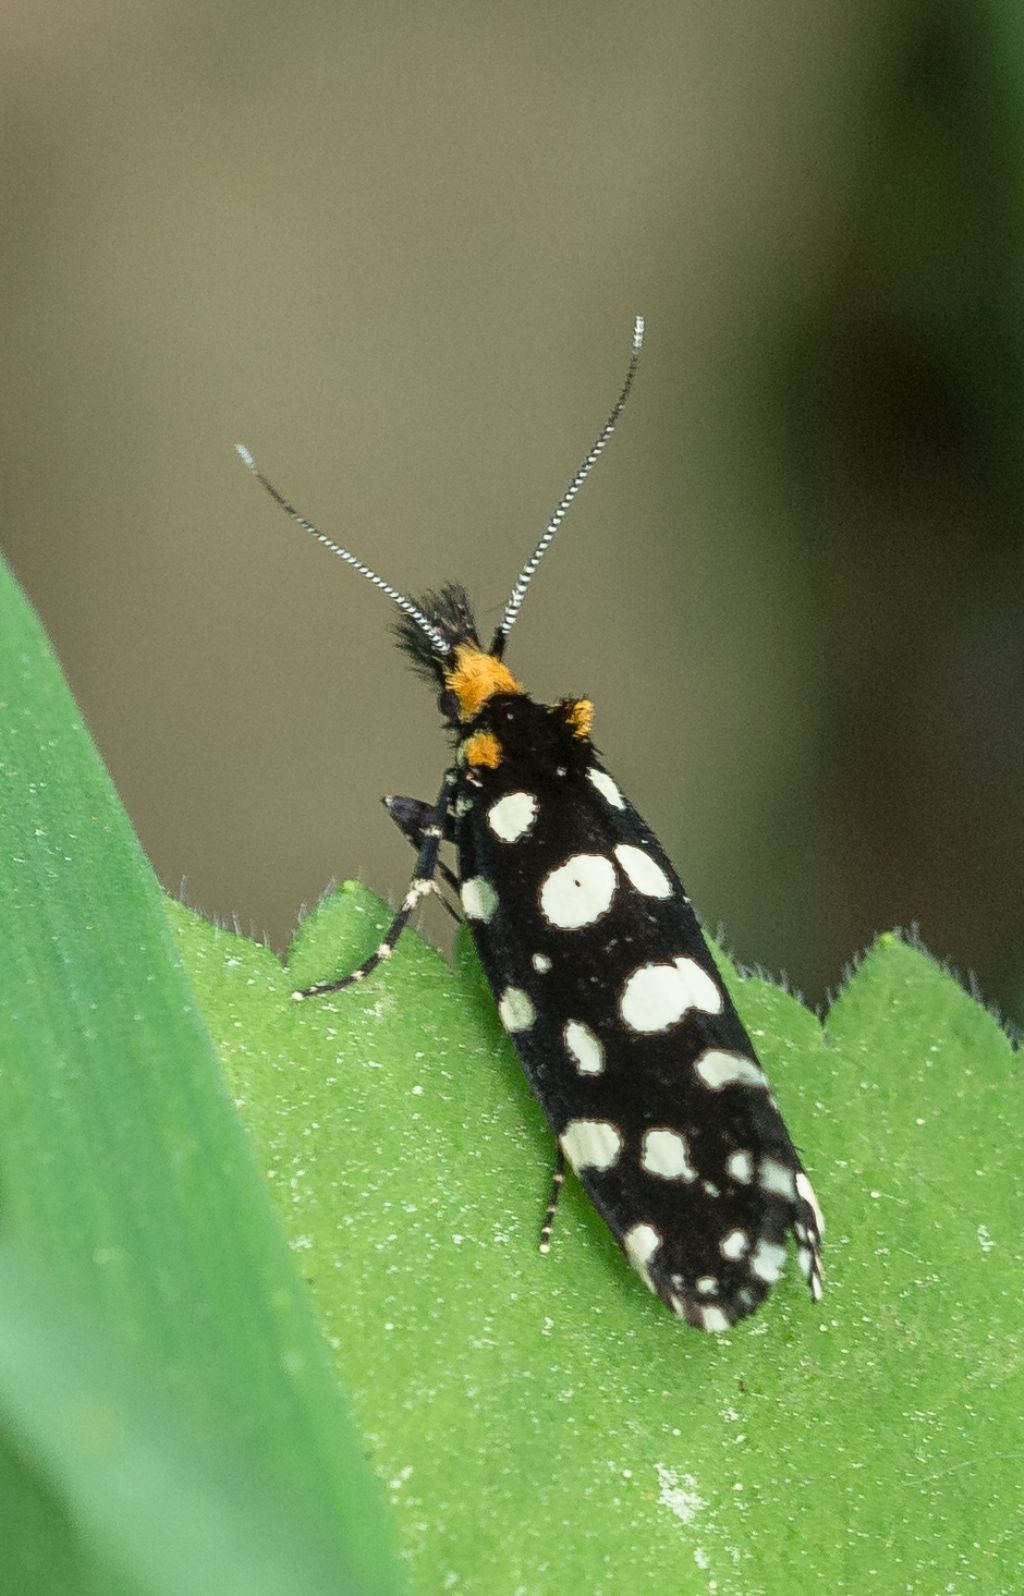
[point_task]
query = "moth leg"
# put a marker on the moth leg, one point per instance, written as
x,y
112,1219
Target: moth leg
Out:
x,y
556,1187
431,831
411,816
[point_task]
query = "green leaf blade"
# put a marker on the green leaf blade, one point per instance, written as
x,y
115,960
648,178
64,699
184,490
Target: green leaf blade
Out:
x,y
125,1171
543,1422
166,1511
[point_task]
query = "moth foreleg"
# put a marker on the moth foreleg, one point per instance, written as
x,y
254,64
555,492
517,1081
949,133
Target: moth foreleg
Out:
x,y
431,831
411,816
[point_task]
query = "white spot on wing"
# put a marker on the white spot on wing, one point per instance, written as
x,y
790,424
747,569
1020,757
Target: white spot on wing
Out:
x,y
658,995
734,1244
515,1010
806,1191
717,1068
579,891
479,898
591,1143
641,1243
740,1166
541,963
766,1261
667,1153
714,1319
584,1047
512,816
775,1177
644,873
606,787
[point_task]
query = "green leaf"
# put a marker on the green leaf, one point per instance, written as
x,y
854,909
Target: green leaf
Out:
x,y
125,1173
538,1423
167,1510
542,1423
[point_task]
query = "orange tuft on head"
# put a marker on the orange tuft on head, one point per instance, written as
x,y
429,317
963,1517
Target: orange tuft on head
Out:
x,y
579,715
476,677
483,748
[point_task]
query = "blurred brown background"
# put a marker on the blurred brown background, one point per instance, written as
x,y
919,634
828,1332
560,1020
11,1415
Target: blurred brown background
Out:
x,y
397,250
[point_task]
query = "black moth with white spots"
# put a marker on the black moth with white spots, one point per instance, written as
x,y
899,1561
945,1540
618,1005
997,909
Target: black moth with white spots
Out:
x,y
606,987
600,972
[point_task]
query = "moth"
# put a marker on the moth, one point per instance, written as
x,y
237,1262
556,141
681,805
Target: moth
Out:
x,y
598,965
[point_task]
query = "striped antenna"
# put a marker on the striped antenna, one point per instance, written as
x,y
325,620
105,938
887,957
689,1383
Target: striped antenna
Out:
x,y
439,642
526,575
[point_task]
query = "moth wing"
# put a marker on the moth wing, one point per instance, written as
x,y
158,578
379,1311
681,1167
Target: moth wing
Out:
x,y
631,1042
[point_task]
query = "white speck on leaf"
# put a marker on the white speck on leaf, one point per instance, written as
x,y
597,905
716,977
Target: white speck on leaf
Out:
x,y
679,1493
